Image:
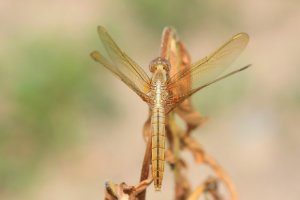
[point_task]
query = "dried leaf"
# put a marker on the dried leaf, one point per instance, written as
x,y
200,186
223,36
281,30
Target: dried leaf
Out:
x,y
114,191
123,191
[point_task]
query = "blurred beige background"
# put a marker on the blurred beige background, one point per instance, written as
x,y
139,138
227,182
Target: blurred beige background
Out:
x,y
67,125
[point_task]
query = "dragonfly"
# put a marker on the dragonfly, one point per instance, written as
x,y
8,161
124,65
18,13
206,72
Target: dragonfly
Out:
x,y
163,92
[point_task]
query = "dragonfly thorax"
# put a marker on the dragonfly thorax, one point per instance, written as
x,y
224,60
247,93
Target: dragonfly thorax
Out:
x,y
158,93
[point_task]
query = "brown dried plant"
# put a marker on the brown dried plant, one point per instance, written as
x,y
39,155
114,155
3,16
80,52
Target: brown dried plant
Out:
x,y
178,139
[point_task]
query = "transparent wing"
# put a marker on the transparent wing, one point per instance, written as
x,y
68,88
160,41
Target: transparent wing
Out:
x,y
205,71
122,65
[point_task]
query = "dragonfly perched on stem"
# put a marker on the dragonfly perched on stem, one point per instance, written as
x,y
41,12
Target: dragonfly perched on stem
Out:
x,y
163,92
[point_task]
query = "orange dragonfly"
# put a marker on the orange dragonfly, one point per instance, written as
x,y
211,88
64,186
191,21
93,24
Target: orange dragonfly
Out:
x,y
163,92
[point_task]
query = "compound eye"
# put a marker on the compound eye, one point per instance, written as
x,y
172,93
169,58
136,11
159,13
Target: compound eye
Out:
x,y
166,67
152,68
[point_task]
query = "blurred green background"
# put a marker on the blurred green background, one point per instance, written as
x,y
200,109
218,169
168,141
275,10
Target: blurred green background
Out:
x,y
67,125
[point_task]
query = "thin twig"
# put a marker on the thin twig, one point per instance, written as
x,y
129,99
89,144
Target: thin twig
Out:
x,y
146,166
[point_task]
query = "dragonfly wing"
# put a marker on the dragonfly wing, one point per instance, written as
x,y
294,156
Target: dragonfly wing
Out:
x,y
122,65
205,71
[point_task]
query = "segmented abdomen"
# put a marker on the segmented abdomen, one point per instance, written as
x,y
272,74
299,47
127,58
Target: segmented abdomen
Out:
x,y
158,145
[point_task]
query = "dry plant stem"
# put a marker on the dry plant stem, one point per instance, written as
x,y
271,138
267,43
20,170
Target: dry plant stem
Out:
x,y
170,52
145,167
182,185
179,59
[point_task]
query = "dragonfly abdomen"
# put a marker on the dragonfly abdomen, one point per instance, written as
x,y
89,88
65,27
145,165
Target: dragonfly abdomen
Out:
x,y
158,144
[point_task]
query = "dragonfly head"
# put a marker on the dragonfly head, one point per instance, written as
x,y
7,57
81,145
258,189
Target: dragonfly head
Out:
x,y
159,63
160,68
